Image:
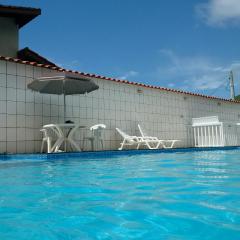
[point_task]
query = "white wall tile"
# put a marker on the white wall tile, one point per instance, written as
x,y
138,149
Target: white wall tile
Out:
x,y
21,120
11,68
11,81
21,95
21,134
21,106
11,107
30,122
21,70
29,134
11,94
11,120
21,146
3,67
37,72
29,146
38,97
38,122
46,109
37,146
3,80
29,96
76,111
54,110
3,134
3,120
21,82
38,109
11,147
30,108
46,98
3,147
11,134
3,94
3,106
28,81
29,71
37,134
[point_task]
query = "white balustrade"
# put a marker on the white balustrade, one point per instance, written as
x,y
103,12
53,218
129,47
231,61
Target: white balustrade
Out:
x,y
210,132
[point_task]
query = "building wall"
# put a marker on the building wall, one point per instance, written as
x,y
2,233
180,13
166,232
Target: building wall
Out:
x,y
164,114
8,37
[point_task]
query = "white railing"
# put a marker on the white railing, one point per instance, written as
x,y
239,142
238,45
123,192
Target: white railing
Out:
x,y
209,135
210,132
231,134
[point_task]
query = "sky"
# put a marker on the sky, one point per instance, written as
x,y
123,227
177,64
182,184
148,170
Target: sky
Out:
x,y
188,45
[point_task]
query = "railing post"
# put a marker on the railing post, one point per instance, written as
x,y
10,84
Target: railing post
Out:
x,y
222,135
194,134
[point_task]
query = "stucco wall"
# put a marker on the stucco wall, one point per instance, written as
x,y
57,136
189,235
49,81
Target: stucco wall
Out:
x,y
8,37
163,114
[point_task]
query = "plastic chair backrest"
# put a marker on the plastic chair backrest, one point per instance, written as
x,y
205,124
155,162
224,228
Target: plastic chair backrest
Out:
x,y
45,133
97,129
123,134
143,133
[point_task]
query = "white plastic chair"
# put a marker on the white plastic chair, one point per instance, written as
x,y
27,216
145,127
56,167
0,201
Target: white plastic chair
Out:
x,y
46,139
96,138
164,143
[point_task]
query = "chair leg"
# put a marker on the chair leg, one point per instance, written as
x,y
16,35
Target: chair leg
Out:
x,y
83,144
159,143
173,142
92,144
171,145
122,144
149,146
49,145
57,145
42,146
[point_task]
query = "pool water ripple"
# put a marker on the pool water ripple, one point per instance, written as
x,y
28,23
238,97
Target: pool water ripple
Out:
x,y
192,195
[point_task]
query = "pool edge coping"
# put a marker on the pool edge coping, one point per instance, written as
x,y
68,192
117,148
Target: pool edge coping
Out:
x,y
107,153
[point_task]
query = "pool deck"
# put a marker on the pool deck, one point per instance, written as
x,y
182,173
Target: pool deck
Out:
x,y
38,156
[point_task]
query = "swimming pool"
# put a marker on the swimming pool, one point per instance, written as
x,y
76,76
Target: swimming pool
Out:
x,y
160,195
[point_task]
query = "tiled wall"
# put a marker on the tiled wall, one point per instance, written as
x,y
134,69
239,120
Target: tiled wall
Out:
x,y
166,115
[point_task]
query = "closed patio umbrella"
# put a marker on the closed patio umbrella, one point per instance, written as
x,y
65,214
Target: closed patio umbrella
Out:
x,y
66,84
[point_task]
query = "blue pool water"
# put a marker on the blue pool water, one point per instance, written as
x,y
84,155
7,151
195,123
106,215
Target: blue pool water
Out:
x,y
175,196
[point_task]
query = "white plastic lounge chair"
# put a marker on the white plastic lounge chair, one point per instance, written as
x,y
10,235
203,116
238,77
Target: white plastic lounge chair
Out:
x,y
138,141
164,143
128,140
